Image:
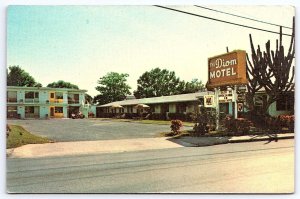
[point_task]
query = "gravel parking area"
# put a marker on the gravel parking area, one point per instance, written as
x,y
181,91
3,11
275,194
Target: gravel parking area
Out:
x,y
88,130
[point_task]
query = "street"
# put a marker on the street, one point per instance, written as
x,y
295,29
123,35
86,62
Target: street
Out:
x,y
254,167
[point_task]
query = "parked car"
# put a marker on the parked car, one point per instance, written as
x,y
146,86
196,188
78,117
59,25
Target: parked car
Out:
x,y
78,115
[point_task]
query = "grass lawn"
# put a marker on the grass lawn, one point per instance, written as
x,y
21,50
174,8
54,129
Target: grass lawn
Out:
x,y
163,122
19,136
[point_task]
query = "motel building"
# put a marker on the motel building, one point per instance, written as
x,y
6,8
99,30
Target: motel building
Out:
x,y
43,102
169,107
163,106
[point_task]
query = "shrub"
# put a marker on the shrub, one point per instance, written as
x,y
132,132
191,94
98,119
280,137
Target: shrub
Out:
x,y
130,115
106,115
177,116
240,125
286,121
191,117
175,126
157,116
201,128
280,123
91,114
182,116
205,121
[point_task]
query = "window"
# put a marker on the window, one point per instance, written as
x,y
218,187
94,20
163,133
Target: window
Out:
x,y
58,109
11,96
29,109
76,97
152,109
29,95
73,98
58,95
12,112
32,111
285,103
51,95
180,108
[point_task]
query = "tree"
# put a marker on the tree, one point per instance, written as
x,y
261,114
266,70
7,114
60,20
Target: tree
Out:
x,y
271,70
62,84
157,83
194,86
19,77
88,98
112,87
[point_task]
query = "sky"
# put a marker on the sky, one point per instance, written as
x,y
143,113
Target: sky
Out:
x,y
80,44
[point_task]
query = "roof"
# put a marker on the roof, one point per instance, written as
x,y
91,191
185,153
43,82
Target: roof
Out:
x,y
44,88
163,99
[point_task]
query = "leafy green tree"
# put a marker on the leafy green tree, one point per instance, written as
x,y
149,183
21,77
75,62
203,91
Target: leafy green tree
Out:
x,y
62,84
112,87
194,86
158,82
19,77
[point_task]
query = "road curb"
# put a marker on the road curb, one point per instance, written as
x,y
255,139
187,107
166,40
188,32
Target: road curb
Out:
x,y
210,141
260,139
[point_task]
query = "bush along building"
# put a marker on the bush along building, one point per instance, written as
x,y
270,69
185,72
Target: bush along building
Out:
x,y
43,102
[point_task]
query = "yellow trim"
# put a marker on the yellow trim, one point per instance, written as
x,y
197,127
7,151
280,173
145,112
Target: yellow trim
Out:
x,y
52,100
55,115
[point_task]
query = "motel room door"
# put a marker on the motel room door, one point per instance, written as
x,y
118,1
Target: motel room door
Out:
x,y
224,110
52,111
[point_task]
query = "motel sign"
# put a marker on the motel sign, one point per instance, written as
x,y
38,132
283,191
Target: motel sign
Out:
x,y
227,69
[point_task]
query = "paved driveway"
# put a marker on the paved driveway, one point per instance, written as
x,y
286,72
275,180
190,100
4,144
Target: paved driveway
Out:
x,y
87,130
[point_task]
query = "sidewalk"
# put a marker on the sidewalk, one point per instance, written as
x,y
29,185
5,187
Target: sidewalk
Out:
x,y
125,145
91,147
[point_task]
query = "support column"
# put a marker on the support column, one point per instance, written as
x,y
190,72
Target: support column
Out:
x,y
235,102
217,107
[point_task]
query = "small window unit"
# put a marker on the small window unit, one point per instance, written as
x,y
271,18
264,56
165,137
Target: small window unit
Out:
x,y
58,95
11,96
58,110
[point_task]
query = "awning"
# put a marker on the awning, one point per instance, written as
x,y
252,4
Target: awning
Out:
x,y
142,106
116,106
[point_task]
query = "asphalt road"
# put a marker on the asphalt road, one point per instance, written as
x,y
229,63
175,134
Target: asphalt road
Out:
x,y
253,167
63,130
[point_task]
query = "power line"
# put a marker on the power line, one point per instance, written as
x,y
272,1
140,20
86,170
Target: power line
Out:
x,y
219,20
241,16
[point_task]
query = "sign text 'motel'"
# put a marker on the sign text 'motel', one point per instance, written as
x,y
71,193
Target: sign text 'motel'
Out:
x,y
227,69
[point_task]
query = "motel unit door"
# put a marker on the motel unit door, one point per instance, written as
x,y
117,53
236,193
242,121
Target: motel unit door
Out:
x,y
51,111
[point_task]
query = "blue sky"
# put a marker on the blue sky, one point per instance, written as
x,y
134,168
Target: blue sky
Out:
x,y
80,44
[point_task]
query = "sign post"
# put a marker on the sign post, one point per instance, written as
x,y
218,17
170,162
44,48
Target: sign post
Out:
x,y
217,107
235,114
